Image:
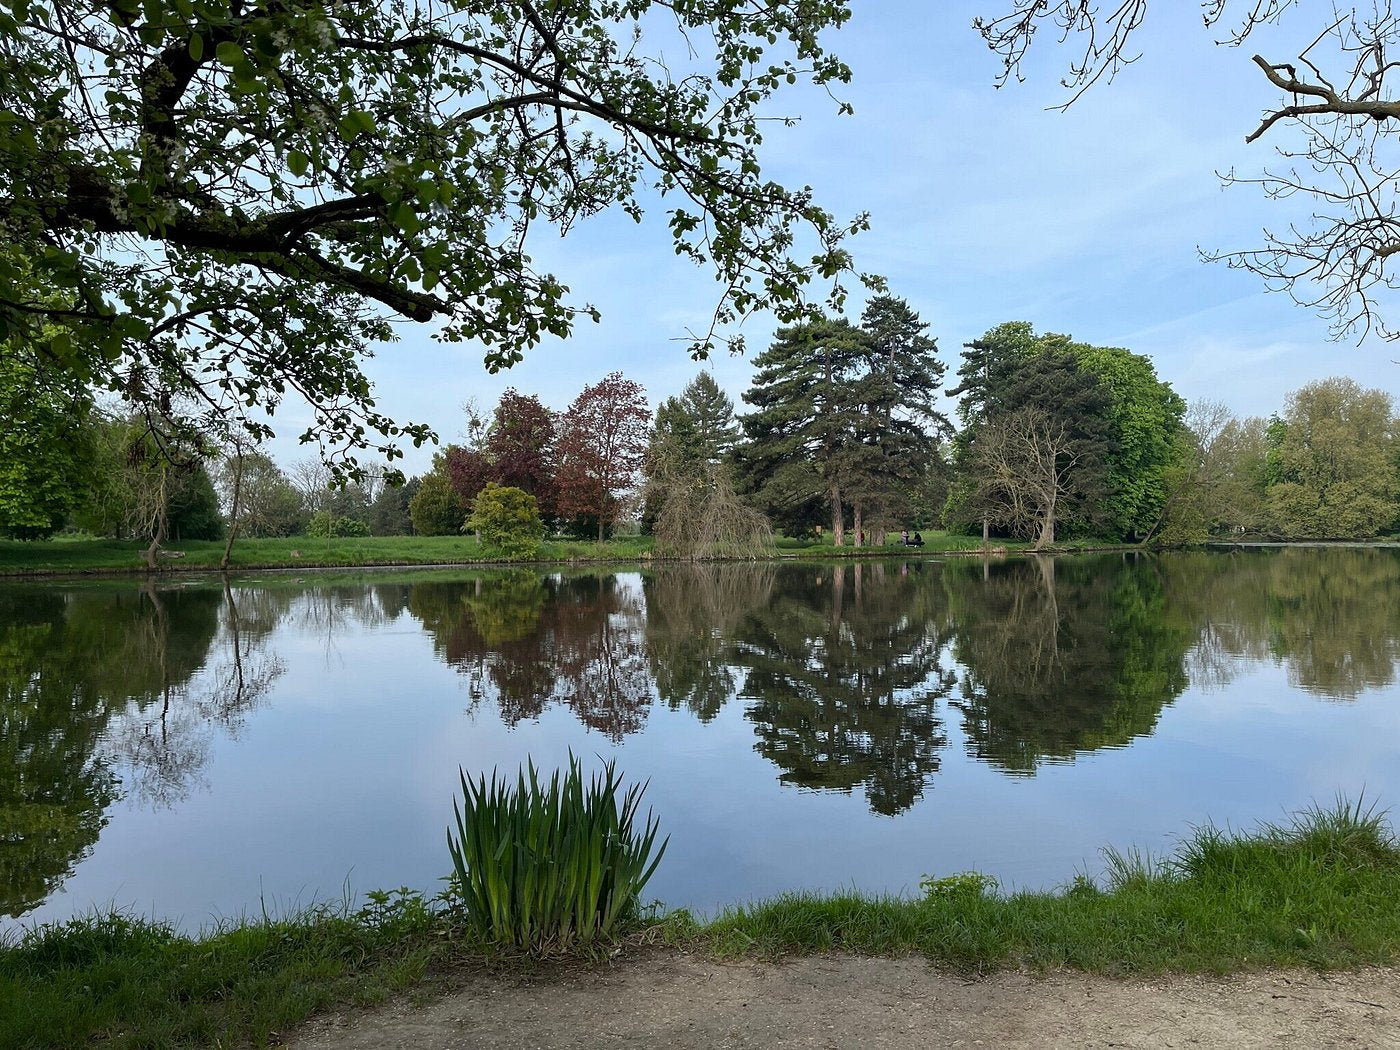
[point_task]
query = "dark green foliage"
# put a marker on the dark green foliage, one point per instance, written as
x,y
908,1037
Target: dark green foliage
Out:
x,y
389,515
551,866
193,510
1033,456
1122,431
435,508
46,447
844,418
802,416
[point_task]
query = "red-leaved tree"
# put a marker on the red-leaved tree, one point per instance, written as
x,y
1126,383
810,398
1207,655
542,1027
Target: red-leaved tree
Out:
x,y
602,439
468,471
520,448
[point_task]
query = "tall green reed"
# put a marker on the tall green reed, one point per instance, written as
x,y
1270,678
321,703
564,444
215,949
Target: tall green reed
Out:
x,y
551,866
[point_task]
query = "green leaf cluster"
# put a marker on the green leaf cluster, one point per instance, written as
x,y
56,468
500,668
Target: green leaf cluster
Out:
x,y
508,520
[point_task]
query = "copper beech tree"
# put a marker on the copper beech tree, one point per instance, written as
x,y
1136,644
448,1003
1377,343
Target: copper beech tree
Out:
x,y
235,199
602,441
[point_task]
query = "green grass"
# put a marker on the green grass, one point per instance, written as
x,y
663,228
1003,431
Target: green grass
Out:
x,y
86,555
70,555
120,982
1322,891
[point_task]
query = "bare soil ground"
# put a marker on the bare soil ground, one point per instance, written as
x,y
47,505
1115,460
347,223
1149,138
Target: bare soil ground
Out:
x,y
668,998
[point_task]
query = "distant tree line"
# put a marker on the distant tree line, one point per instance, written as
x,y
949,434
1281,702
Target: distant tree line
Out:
x,y
844,437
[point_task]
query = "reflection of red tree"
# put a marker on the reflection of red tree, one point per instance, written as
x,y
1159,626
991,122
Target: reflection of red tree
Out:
x,y
585,650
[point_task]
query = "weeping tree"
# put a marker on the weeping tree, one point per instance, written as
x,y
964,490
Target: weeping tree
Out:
x,y
702,517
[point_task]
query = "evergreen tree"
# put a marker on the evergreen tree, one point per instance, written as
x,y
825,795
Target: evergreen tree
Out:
x,y
798,445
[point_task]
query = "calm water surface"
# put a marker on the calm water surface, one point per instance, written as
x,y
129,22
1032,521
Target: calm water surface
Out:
x,y
192,750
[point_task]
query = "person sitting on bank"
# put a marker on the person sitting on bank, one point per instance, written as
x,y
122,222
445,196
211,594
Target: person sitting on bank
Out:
x,y
917,541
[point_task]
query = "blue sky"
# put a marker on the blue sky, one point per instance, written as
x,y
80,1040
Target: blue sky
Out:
x,y
986,206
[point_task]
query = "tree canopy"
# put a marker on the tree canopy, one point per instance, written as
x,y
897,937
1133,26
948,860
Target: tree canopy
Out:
x,y
236,199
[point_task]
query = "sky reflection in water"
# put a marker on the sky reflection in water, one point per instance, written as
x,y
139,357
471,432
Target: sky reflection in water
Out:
x,y
194,750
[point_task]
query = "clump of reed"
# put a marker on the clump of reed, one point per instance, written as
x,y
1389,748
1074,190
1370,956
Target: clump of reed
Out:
x,y
552,866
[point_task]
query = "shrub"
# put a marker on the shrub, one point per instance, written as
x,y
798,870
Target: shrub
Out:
x,y
435,509
322,524
508,520
551,866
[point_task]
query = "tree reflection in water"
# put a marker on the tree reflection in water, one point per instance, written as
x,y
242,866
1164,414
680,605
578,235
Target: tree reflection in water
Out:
x,y
1329,616
528,643
847,671
844,673
1062,656
98,682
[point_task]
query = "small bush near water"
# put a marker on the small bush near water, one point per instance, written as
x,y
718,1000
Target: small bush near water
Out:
x,y
551,866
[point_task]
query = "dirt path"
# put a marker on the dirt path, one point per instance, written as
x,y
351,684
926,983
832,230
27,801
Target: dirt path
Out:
x,y
671,999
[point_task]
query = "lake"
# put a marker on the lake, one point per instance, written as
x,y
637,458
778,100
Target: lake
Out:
x,y
197,749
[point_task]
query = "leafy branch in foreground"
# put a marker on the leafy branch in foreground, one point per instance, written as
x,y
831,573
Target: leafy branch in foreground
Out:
x,y
551,866
235,200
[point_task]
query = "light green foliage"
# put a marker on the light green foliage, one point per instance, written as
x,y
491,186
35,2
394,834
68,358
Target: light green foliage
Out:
x,y
268,503
393,160
46,448
323,524
1333,454
508,520
435,508
551,866
1146,416
958,886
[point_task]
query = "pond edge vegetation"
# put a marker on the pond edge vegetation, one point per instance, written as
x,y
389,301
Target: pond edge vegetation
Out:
x,y
19,559
1320,890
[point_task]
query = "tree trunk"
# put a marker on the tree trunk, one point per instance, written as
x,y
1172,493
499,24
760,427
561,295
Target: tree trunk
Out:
x,y
838,518
157,525
1046,537
858,525
233,510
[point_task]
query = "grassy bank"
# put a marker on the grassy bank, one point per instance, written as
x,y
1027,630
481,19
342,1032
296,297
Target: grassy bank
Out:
x,y
1323,891
96,555
73,555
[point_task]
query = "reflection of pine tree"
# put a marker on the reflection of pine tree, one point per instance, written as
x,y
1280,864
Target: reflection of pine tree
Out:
x,y
1062,656
844,675
691,615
